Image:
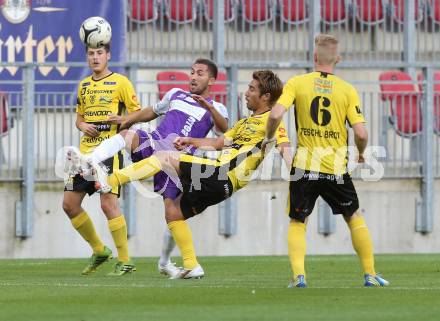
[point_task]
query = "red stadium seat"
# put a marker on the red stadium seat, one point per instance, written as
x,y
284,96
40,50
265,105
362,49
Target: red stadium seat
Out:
x,y
293,11
209,10
334,11
180,11
171,79
4,115
398,11
436,98
434,10
370,11
143,10
257,11
397,89
219,91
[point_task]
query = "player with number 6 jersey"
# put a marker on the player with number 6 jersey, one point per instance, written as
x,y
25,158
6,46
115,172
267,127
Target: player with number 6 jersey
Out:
x,y
323,104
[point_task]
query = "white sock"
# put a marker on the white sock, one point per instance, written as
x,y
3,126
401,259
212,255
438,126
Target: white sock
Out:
x,y
108,148
167,247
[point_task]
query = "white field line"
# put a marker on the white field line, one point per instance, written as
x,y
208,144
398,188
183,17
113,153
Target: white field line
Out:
x,y
193,285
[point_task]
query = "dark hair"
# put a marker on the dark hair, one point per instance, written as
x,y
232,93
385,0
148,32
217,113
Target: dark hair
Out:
x,y
106,47
268,82
212,67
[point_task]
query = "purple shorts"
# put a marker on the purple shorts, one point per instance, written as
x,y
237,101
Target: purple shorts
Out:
x,y
165,185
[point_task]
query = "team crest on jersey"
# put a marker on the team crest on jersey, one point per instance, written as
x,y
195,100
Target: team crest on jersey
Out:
x,y
92,99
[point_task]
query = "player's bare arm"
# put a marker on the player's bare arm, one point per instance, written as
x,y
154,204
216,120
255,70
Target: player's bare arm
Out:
x,y
204,143
275,116
144,115
285,151
86,128
220,122
360,139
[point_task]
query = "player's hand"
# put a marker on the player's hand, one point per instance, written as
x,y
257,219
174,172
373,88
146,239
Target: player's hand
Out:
x,y
361,159
181,143
118,120
115,119
267,144
89,130
202,102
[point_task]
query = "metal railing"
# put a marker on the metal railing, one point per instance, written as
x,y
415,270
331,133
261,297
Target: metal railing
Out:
x,y
252,34
394,123
269,32
406,128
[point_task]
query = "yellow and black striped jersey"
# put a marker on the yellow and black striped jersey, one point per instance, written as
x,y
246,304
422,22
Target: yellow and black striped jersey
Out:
x,y
241,158
97,99
323,104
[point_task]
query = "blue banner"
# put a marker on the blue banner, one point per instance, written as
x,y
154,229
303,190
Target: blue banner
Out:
x,y
47,31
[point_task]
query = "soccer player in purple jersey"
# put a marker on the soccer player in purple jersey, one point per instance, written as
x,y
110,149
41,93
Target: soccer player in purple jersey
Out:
x,y
183,116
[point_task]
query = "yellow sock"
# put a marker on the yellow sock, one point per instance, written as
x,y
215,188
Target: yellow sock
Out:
x,y
84,225
296,241
361,239
118,228
143,169
183,237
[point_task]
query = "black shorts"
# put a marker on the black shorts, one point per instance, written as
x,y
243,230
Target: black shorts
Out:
x,y
80,184
199,193
337,191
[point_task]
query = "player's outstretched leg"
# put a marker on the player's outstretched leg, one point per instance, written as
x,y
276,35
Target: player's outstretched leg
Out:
x,y
74,162
109,147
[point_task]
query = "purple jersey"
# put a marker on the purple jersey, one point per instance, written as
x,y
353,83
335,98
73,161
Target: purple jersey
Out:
x,y
183,116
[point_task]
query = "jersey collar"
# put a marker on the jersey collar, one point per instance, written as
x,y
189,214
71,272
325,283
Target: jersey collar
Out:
x,y
323,73
96,80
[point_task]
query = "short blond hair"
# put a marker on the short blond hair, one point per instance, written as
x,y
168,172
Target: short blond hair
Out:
x,y
326,49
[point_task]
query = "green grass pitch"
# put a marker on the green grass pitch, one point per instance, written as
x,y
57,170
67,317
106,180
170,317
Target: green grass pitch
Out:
x,y
235,288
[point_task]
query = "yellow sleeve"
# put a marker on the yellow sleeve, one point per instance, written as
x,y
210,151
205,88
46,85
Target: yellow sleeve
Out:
x,y
281,134
230,134
289,94
354,112
79,104
128,96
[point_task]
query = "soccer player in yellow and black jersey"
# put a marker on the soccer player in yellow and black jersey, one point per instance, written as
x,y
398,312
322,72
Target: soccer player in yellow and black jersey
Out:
x,y
323,104
99,95
205,181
